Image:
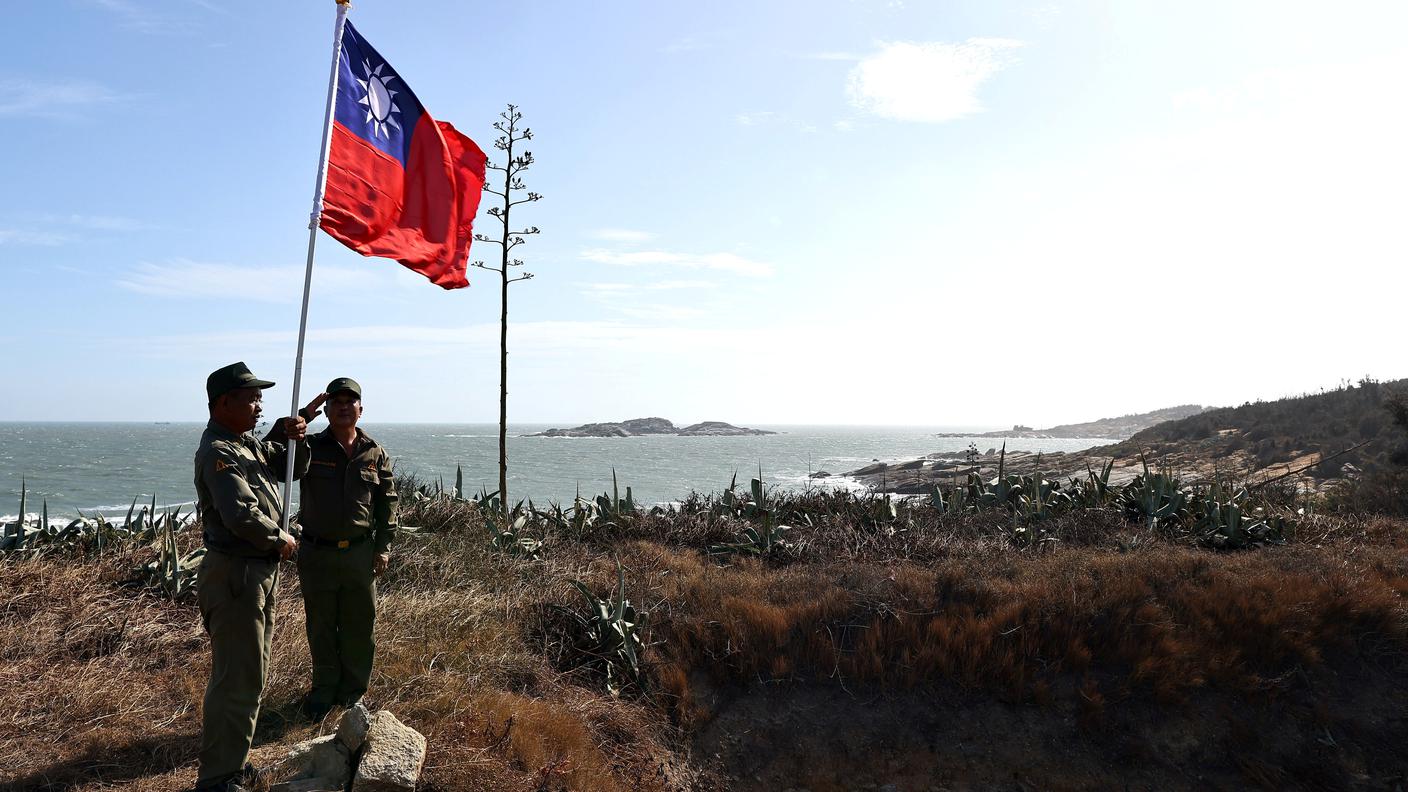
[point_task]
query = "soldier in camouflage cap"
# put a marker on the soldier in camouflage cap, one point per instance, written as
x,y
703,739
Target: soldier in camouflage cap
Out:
x,y
237,480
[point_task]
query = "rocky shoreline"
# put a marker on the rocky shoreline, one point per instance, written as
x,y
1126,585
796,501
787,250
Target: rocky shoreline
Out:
x,y
636,427
1192,465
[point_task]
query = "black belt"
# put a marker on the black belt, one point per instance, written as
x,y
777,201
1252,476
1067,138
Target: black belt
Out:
x,y
339,544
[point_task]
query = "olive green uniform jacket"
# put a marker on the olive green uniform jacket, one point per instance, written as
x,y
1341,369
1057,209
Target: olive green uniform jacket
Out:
x,y
238,498
347,513
348,499
238,489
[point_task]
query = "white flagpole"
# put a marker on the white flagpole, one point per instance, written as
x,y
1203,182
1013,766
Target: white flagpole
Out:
x,y
342,6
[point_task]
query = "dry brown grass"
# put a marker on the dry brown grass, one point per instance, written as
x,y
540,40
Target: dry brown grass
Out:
x,y
100,684
1164,620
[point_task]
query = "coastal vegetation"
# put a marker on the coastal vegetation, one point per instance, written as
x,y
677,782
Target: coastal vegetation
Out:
x,y
1348,444
1052,632
1162,635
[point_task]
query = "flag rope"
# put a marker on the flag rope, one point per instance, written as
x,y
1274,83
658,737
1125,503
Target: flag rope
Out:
x,y
342,7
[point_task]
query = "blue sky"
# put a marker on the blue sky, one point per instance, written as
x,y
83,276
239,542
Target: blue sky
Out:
x,y
773,212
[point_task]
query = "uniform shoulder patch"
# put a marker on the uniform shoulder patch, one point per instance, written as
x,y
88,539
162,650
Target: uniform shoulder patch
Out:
x,y
221,464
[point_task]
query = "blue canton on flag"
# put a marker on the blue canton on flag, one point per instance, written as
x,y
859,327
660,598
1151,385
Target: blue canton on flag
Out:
x,y
373,101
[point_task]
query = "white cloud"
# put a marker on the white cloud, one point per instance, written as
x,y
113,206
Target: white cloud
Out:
x,y
85,222
642,300
622,235
41,99
614,288
927,81
187,279
529,340
657,312
210,6
140,18
686,44
18,236
29,235
680,284
771,118
104,223
727,262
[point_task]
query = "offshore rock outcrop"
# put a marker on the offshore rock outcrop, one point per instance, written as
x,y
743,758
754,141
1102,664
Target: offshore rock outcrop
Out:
x,y
652,426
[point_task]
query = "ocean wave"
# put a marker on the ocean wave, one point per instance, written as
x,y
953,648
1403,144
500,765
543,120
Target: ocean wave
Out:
x,y
63,522
123,507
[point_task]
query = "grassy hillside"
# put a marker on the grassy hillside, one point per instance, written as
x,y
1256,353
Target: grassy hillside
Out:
x,y
1125,425
871,642
1280,430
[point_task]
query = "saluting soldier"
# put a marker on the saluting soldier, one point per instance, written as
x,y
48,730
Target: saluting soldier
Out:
x,y
237,480
347,513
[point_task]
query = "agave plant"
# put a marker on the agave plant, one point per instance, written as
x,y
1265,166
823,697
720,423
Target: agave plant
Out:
x,y
956,502
42,537
1040,499
1221,520
607,637
170,571
758,540
756,506
881,511
1154,497
514,539
765,533
613,506
1094,490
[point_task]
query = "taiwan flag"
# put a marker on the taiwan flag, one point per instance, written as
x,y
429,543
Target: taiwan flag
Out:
x,y
400,184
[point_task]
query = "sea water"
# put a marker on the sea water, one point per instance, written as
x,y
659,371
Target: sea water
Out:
x,y
101,467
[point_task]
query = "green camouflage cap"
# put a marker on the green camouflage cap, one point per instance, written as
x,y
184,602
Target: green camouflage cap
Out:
x,y
343,384
235,375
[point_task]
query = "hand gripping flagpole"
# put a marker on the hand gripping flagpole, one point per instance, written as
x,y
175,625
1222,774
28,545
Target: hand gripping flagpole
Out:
x,y
342,7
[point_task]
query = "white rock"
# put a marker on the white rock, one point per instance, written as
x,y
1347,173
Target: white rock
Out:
x,y
309,785
391,758
324,757
352,727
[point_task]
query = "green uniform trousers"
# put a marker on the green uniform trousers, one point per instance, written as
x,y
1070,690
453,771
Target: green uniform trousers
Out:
x,y
339,606
237,606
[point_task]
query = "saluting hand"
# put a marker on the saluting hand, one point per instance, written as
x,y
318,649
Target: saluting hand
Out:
x,y
312,410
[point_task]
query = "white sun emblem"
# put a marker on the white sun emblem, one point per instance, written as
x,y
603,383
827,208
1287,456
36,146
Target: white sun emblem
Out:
x,y
378,100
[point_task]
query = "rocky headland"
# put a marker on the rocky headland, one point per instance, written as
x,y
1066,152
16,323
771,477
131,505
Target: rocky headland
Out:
x,y
1119,428
653,426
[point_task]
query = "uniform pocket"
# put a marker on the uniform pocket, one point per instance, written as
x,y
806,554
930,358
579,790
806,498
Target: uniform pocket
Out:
x,y
238,577
369,482
321,470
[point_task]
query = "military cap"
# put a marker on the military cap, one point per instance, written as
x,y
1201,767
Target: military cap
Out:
x,y
235,375
343,384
